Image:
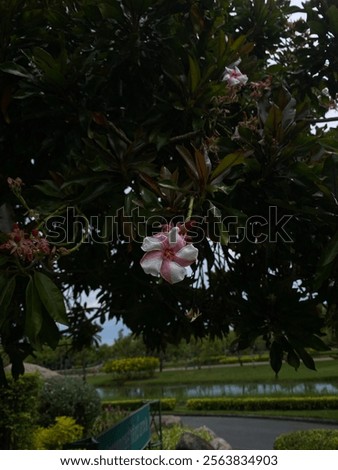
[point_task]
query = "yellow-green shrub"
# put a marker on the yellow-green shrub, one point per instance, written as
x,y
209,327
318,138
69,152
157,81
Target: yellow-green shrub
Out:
x,y
312,439
54,437
132,367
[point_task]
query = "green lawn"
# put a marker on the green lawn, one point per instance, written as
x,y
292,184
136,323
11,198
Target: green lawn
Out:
x,y
260,373
326,370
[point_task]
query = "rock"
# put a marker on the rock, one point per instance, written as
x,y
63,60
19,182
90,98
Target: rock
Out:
x,y
220,444
206,430
170,421
189,441
34,368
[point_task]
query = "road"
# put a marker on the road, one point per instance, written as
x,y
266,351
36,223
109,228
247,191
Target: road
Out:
x,y
250,433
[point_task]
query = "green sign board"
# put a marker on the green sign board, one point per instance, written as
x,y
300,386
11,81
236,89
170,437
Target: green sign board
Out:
x,y
132,433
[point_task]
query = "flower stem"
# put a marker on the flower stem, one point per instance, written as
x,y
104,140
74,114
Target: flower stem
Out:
x,y
190,208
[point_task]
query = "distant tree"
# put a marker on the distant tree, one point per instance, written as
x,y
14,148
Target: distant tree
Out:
x,y
127,346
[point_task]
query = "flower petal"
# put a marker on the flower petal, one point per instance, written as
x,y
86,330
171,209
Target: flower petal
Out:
x,y
172,272
176,240
153,243
186,256
151,262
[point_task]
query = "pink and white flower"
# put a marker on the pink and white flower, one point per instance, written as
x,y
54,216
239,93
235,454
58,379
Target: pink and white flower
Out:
x,y
234,76
167,255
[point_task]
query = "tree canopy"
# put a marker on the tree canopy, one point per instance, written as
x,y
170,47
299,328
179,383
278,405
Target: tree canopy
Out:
x,y
134,133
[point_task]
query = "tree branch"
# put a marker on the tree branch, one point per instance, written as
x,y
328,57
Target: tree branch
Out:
x,y
181,138
120,133
329,119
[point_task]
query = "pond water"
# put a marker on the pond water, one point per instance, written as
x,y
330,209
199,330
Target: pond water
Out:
x,y
187,391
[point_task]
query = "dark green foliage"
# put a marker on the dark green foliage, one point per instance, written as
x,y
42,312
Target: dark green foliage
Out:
x,y
66,396
118,109
313,439
19,412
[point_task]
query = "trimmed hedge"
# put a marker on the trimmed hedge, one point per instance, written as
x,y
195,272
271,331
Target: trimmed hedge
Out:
x,y
132,367
264,403
313,439
244,359
212,360
167,404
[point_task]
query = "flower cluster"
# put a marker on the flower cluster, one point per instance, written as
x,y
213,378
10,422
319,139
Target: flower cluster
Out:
x,y
26,246
258,88
15,184
168,253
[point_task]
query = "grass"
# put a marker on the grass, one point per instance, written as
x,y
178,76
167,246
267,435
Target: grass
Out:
x,y
326,370
259,373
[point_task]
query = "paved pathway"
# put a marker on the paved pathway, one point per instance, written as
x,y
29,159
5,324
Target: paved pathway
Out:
x,y
250,433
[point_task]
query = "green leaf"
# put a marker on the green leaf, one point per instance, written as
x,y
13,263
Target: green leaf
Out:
x,y
202,166
229,161
94,191
187,157
3,282
316,343
332,14
3,260
293,359
306,358
51,297
48,65
289,113
322,274
49,333
237,43
6,297
224,234
49,188
220,46
276,357
34,312
111,11
194,73
330,252
151,183
169,184
317,27
15,69
273,123
149,198
197,18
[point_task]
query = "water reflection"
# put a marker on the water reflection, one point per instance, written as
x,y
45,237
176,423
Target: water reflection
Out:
x,y
187,391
